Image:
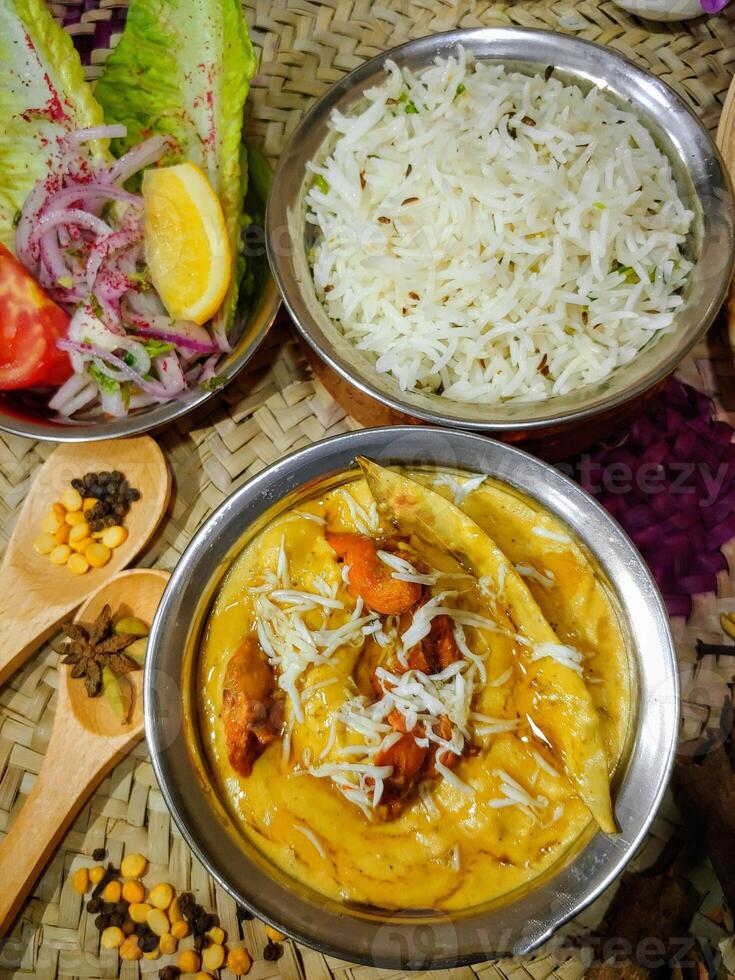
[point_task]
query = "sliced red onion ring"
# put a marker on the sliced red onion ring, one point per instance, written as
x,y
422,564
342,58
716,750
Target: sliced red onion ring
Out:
x,y
68,216
106,247
218,330
169,371
86,396
31,206
40,203
52,258
146,305
136,159
85,193
209,369
152,388
70,388
188,339
97,133
113,404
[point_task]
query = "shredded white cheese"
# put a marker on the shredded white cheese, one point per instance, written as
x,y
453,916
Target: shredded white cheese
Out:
x,y
288,641
544,765
563,654
303,601
404,571
427,799
515,795
282,572
423,700
304,515
360,782
311,837
460,490
485,725
286,744
453,779
307,691
501,678
543,532
421,623
367,521
545,578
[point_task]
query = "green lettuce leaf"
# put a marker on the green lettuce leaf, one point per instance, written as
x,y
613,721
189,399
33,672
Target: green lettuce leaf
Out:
x,y
103,381
154,348
183,69
43,94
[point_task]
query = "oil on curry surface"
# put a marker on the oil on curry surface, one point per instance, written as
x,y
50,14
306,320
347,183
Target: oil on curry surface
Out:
x,y
415,691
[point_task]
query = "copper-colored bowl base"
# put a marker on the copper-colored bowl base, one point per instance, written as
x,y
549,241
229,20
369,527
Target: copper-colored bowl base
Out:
x,y
556,443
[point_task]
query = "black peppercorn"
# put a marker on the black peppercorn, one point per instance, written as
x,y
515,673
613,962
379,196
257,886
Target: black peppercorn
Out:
x,y
122,907
94,905
102,922
169,973
148,942
203,923
188,907
116,919
107,907
99,853
273,951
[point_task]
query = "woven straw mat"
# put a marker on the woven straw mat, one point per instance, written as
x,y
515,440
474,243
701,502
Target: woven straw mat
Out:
x,y
274,408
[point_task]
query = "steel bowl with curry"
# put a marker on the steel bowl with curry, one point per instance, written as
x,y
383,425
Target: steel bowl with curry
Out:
x,y
414,691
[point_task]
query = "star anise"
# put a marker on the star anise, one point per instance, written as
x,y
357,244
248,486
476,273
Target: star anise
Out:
x,y
94,646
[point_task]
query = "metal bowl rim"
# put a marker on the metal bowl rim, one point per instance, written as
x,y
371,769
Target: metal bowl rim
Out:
x,y
264,311
291,293
343,448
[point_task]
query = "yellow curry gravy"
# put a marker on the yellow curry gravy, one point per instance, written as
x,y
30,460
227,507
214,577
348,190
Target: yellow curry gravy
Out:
x,y
458,850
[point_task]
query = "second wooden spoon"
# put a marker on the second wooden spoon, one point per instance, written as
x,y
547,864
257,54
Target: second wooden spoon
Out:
x,y
87,740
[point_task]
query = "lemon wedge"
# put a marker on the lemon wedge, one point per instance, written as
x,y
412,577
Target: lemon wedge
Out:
x,y
186,244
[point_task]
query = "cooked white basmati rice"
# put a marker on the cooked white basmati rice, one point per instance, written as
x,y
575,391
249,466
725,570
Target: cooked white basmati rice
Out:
x,y
489,235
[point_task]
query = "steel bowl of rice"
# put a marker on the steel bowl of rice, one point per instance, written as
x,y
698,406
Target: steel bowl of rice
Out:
x,y
505,230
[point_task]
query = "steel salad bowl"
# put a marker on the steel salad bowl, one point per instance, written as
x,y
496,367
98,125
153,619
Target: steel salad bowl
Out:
x,y
27,413
699,170
422,938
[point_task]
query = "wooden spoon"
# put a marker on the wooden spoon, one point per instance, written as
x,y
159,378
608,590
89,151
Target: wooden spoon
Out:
x,y
87,740
35,596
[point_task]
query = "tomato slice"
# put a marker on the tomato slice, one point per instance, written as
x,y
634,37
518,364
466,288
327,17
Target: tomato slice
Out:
x,y
30,325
